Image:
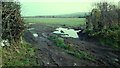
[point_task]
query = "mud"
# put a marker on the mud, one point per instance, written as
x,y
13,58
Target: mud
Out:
x,y
50,55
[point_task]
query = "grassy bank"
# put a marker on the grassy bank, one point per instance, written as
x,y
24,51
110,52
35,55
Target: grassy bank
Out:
x,y
108,37
21,55
62,21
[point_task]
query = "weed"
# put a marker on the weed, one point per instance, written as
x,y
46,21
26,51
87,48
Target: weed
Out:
x,y
21,55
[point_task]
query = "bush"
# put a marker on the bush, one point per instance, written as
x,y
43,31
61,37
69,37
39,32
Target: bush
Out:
x,y
109,37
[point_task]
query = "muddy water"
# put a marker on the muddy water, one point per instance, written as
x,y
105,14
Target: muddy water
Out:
x,y
65,32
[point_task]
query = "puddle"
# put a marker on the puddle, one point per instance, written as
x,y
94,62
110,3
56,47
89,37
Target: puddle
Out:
x,y
35,35
31,29
31,23
65,32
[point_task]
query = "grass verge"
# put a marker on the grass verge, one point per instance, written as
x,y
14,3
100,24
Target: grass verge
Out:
x,y
21,55
108,37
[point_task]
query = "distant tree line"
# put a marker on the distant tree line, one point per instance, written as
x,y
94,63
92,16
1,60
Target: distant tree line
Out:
x,y
54,16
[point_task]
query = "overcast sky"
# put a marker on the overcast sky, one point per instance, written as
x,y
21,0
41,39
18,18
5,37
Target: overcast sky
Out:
x,y
56,7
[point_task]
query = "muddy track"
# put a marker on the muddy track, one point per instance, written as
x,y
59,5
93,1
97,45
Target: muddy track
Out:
x,y
50,55
107,56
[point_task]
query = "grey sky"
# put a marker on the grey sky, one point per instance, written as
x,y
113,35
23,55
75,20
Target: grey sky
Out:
x,y
56,7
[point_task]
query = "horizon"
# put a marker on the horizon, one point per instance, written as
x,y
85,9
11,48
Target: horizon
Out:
x,y
53,7
57,15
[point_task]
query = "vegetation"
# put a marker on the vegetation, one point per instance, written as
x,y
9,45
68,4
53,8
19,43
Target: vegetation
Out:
x,y
103,24
22,55
108,37
67,21
16,54
12,23
70,49
105,16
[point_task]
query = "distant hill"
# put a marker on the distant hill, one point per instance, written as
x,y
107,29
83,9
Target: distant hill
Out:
x,y
72,15
78,14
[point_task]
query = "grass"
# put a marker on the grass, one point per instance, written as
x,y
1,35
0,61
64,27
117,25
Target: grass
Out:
x,y
21,55
58,42
66,21
70,49
81,54
108,37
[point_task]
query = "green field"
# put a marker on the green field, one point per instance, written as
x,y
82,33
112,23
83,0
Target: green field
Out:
x,y
66,21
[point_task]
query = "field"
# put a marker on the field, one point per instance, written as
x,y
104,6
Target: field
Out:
x,y
62,21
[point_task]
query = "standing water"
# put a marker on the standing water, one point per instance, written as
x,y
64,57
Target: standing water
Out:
x,y
65,32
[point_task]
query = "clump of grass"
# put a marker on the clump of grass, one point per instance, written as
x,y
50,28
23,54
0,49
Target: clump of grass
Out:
x,y
58,42
81,54
21,55
70,49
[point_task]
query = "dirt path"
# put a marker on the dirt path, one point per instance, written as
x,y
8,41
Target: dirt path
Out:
x,y
50,55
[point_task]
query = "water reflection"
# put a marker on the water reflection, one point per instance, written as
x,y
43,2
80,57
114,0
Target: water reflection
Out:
x,y
65,32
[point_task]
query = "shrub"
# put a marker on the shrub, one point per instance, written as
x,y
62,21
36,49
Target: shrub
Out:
x,y
109,37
